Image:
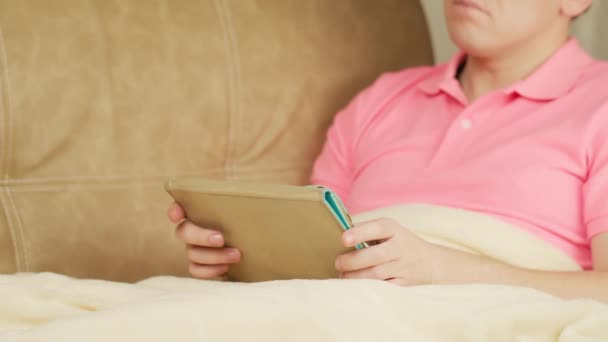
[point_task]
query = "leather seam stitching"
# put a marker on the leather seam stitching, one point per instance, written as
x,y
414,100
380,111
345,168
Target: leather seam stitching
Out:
x,y
24,188
75,187
20,230
11,231
222,16
236,64
18,181
5,148
105,178
5,115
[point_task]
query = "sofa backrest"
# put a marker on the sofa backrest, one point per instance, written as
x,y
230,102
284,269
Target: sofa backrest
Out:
x,y
102,100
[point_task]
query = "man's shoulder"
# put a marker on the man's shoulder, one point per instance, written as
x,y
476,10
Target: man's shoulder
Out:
x,y
392,84
596,73
407,77
590,96
592,87
370,104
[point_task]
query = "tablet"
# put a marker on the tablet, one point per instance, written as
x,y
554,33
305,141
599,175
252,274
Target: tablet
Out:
x,y
282,231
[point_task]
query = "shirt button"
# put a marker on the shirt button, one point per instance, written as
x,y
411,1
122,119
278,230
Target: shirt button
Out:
x,y
466,123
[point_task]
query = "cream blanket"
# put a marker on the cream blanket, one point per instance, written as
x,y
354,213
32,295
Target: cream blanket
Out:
x,y
49,307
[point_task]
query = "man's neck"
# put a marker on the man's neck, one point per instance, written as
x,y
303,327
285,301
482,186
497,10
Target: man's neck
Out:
x,y
482,75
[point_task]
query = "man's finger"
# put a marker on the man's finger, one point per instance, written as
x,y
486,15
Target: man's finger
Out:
x,y
175,213
379,272
191,234
207,271
212,256
367,257
369,231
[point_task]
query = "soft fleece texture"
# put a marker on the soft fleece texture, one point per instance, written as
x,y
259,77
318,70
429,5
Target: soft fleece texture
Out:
x,y
50,307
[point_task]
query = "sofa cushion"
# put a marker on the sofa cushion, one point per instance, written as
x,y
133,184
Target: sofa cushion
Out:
x,y
101,101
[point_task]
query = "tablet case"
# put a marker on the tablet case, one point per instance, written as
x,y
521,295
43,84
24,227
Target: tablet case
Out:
x,y
282,231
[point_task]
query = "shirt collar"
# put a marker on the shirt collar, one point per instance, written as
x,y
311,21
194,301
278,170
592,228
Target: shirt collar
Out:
x,y
443,79
555,78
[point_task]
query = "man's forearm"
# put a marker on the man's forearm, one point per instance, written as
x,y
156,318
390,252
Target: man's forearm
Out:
x,y
462,268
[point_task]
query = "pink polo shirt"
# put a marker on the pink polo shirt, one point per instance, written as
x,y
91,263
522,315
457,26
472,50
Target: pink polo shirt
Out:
x,y
534,154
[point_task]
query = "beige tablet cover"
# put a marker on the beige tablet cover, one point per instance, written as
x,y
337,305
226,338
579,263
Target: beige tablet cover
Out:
x,y
283,231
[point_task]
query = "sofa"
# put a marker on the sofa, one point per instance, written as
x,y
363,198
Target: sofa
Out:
x,y
102,101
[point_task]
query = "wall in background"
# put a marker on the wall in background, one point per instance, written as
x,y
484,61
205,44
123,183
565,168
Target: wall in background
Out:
x,y
442,46
590,29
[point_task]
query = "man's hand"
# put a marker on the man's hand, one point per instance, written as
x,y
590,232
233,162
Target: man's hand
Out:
x,y
399,256
205,247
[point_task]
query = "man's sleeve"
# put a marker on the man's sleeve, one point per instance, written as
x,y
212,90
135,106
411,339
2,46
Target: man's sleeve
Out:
x,y
595,191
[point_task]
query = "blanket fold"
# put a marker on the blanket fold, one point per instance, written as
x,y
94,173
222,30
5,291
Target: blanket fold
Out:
x,y
476,233
51,307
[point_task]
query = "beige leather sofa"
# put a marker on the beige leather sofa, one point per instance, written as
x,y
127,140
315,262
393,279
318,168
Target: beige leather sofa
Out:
x,y
102,100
